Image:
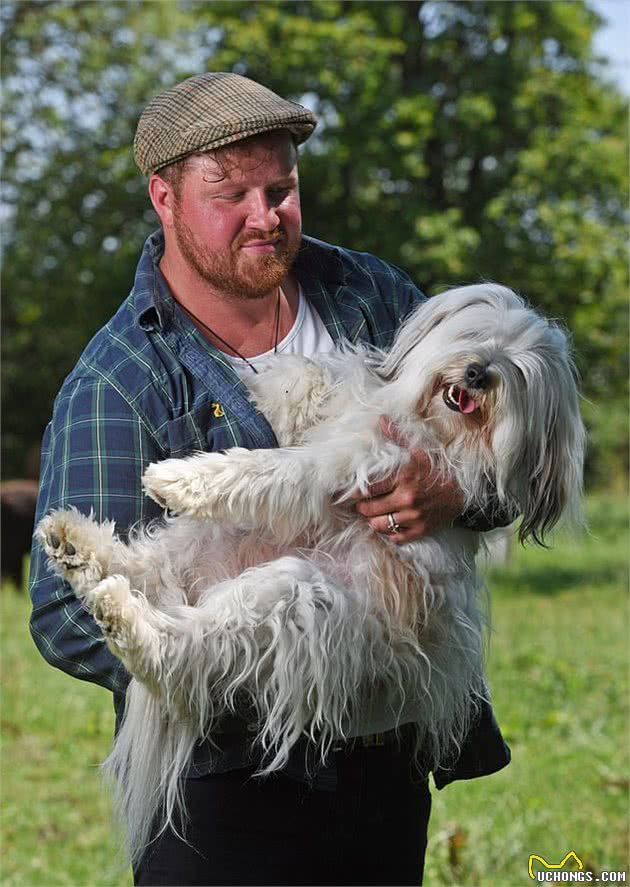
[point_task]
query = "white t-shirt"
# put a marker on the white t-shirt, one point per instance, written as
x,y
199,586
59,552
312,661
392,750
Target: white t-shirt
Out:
x,y
308,336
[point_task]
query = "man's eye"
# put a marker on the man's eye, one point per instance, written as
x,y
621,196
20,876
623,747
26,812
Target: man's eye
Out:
x,y
281,192
237,195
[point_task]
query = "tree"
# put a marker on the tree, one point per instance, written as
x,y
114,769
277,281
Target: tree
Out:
x,y
462,141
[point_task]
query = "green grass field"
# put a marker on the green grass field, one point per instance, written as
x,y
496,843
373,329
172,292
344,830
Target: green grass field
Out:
x,y
559,673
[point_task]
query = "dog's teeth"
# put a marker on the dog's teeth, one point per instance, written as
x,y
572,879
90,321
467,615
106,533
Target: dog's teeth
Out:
x,y
452,398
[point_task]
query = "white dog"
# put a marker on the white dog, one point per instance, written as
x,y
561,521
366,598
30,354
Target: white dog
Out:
x,y
270,592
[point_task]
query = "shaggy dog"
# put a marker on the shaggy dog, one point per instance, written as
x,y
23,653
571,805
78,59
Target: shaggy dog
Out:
x,y
268,592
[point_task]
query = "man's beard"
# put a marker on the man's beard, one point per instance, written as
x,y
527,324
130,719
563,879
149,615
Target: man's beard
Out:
x,y
233,271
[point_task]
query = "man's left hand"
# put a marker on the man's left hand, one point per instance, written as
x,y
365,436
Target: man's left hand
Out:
x,y
421,499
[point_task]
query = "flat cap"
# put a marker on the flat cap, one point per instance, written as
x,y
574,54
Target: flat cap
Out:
x,y
211,110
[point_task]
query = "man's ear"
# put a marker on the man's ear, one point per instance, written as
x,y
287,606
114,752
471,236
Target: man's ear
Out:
x,y
163,199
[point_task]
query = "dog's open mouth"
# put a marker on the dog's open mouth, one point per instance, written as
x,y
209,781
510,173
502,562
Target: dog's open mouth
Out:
x,y
459,400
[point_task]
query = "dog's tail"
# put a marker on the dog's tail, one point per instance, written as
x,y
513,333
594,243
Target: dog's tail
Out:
x,y
147,760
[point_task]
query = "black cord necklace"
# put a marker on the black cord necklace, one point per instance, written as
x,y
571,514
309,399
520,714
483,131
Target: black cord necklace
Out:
x,y
231,347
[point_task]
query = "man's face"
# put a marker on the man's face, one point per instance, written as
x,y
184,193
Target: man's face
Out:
x,y
237,219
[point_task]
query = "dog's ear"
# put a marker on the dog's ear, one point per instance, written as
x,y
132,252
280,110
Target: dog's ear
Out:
x,y
421,322
552,480
434,311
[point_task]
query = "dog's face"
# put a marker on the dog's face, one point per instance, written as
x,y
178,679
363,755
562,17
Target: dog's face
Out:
x,y
496,383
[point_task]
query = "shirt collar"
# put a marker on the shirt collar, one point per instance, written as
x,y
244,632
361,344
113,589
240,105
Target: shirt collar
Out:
x,y
153,298
151,294
316,259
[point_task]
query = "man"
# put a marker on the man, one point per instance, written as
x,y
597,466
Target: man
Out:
x,y
227,279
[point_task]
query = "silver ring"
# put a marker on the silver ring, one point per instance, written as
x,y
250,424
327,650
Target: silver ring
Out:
x,y
392,523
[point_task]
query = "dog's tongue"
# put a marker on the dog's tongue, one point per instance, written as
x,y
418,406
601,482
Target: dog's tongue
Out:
x,y
466,403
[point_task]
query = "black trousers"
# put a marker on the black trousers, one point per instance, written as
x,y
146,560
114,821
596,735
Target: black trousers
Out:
x,y
371,828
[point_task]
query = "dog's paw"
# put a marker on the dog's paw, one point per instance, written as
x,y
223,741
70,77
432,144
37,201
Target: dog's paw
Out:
x,y
77,547
111,604
187,486
128,628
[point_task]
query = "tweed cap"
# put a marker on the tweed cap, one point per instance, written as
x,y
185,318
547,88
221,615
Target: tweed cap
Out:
x,y
211,110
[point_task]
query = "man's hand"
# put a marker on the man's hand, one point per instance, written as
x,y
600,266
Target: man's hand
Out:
x,y
420,499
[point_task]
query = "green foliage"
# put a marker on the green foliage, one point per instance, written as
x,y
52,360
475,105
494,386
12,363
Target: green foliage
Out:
x,y
558,671
463,141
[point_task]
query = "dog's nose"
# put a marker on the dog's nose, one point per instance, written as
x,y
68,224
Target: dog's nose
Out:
x,y
476,376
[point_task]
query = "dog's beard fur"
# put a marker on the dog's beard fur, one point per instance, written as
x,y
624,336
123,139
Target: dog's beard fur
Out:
x,y
271,594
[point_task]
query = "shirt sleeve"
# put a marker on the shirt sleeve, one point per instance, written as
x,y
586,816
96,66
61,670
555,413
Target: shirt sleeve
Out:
x,y
400,288
491,516
94,452
409,295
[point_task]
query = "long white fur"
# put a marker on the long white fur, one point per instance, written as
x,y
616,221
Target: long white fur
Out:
x,y
270,594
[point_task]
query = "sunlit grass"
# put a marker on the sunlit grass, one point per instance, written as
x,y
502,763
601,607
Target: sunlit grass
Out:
x,y
56,818
559,675
558,669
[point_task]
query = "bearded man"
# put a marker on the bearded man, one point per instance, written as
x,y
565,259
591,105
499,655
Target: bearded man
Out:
x,y
227,280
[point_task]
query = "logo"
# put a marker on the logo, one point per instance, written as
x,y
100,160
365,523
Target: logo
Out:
x,y
553,872
550,865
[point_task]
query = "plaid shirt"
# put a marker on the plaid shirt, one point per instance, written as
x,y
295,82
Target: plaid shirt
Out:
x,y
149,386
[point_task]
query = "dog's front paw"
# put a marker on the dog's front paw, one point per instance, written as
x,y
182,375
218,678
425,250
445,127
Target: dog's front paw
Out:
x,y
78,548
187,486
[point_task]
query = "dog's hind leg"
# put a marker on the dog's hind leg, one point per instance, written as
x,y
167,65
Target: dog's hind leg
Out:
x,y
136,631
83,552
79,549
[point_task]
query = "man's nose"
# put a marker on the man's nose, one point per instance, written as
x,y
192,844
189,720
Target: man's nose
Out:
x,y
261,212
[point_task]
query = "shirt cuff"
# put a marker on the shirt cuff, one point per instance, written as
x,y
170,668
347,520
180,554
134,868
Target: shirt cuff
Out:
x,y
491,516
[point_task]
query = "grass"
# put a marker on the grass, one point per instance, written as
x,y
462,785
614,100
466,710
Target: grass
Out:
x,y
56,730
558,670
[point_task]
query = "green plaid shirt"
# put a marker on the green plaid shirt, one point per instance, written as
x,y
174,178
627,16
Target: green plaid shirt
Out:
x,y
149,386
146,388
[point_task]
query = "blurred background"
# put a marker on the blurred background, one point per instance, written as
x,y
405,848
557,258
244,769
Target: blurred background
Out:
x,y
463,141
